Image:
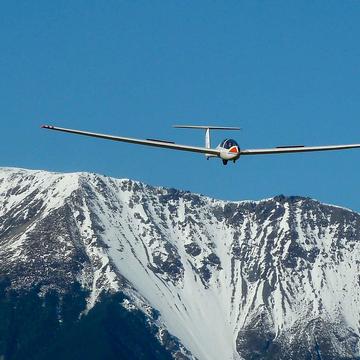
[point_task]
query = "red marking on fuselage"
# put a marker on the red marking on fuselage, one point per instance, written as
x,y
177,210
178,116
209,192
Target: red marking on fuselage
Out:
x,y
234,149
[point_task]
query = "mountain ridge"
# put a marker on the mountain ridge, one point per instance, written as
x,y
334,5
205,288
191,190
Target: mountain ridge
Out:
x,y
229,280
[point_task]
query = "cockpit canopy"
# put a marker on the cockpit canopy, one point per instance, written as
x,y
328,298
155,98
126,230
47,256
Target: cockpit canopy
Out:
x,y
228,143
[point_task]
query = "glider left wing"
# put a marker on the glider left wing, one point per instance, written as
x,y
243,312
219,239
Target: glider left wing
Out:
x,y
296,149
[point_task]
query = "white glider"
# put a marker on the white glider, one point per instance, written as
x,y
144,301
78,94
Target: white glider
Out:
x,y
226,150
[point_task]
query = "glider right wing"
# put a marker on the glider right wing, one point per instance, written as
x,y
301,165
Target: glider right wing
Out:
x,y
150,142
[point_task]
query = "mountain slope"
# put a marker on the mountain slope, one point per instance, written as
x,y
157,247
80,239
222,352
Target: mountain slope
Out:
x,y
275,279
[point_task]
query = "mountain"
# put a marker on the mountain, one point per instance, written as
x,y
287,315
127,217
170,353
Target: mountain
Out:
x,y
162,273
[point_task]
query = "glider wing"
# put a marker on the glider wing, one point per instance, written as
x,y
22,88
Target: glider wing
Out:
x,y
151,142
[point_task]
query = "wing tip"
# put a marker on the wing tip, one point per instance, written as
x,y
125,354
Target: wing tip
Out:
x,y
46,127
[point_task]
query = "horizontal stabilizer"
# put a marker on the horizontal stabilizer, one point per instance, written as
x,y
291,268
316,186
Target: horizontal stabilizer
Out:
x,y
206,127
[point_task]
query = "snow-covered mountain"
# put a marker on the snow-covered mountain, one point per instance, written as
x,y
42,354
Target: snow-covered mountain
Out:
x,y
273,279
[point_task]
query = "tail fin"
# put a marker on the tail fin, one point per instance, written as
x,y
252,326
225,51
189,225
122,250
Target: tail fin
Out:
x,y
207,129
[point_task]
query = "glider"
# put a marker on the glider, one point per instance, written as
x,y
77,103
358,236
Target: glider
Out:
x,y
227,150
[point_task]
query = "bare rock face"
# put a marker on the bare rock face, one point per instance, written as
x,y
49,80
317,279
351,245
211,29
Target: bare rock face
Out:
x,y
274,279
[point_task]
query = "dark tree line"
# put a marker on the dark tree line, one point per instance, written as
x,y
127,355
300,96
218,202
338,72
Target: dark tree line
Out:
x,y
37,327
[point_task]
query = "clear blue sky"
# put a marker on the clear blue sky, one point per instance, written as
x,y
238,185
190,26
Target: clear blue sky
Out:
x,y
287,72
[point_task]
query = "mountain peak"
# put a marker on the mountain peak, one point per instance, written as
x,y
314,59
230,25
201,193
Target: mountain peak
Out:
x,y
228,279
